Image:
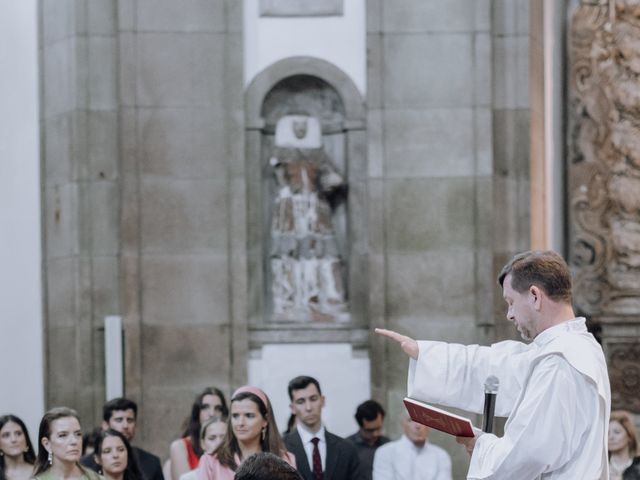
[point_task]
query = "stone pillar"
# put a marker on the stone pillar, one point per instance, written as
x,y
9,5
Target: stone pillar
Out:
x,y
81,197
448,138
144,191
604,173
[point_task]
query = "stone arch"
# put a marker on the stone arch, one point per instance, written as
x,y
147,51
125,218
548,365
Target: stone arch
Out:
x,y
349,127
316,67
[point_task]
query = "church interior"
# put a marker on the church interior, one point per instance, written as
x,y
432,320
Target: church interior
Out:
x,y
246,189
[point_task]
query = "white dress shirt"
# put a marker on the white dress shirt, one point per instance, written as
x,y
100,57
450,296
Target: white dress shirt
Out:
x,y
306,436
402,460
555,392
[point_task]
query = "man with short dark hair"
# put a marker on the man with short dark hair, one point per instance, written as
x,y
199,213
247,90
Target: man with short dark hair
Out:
x,y
555,390
370,416
320,455
266,466
120,414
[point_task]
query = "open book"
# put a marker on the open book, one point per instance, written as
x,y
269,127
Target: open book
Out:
x,y
437,418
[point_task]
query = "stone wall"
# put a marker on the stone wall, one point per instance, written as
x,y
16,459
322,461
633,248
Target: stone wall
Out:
x,y
142,108
448,168
81,202
149,192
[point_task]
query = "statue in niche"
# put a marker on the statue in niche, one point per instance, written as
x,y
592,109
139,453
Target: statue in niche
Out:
x,y
306,269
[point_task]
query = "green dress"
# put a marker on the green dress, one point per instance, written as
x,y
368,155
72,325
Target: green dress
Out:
x,y
88,475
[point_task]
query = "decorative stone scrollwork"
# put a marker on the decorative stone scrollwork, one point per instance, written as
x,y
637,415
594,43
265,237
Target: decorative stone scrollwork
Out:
x,y
605,156
624,373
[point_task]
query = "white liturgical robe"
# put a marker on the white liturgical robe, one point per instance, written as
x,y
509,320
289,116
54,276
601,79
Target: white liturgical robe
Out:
x,y
554,390
402,460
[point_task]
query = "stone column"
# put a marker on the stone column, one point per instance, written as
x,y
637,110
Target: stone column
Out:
x,y
80,176
604,173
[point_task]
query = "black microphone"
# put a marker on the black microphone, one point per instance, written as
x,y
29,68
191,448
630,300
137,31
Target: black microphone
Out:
x,y
491,385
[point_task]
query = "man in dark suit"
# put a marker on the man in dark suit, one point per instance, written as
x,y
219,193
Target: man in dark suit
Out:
x,y
320,455
120,414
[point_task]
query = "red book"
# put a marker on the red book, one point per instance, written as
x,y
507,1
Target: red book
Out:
x,y
439,419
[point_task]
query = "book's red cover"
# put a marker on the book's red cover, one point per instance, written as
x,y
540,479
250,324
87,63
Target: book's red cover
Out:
x,y
439,419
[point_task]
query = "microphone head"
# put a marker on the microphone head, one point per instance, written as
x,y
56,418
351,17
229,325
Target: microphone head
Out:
x,y
491,384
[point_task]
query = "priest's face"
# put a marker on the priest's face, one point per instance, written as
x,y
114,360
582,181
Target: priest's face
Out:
x,y
520,310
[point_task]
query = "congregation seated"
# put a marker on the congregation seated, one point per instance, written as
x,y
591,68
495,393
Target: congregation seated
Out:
x,y
245,446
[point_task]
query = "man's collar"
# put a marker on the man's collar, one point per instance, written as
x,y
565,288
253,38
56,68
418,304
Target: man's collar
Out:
x,y
306,435
410,444
358,439
574,325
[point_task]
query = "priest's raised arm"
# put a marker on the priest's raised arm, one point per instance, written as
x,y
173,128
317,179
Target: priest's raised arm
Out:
x,y
555,390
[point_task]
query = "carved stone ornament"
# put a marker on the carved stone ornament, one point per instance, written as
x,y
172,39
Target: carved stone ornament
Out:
x,y
605,156
624,374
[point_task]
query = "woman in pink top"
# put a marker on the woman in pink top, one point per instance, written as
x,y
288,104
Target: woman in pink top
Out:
x,y
251,429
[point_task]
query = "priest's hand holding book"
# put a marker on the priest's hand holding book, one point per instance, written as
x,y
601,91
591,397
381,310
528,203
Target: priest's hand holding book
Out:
x,y
469,443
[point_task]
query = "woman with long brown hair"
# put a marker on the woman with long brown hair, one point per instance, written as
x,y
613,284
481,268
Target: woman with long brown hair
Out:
x,y
251,429
114,455
16,452
60,447
185,452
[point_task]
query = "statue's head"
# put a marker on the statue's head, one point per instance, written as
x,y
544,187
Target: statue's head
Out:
x,y
298,131
299,127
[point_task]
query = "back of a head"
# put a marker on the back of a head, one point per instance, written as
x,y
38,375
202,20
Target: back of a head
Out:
x,y
545,269
118,404
266,466
369,411
302,382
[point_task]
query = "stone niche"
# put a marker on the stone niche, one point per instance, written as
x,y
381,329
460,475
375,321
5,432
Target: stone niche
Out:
x,y
306,171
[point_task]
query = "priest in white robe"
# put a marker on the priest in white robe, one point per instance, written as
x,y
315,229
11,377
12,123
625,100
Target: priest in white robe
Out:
x,y
555,390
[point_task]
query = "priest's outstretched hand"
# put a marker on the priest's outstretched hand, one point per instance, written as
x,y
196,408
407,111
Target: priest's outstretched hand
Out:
x,y
408,344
